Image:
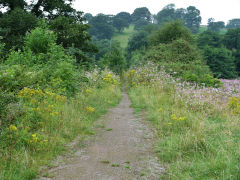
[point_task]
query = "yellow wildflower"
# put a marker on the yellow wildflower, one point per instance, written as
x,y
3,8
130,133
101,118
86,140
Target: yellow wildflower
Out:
x,y
169,124
88,91
160,110
174,117
90,109
12,128
34,138
182,118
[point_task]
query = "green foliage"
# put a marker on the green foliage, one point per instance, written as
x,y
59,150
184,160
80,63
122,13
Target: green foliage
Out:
x,y
124,36
51,9
193,19
170,32
221,62
13,4
101,27
232,42
104,46
177,51
120,23
124,15
232,39
233,23
5,100
137,41
87,17
215,26
114,59
40,40
72,34
141,13
13,27
209,38
41,8
167,14
139,24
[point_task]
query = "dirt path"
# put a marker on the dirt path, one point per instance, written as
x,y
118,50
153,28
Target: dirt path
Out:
x,y
122,151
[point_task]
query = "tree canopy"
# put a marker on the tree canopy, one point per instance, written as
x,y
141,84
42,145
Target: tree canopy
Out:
x,y
141,13
101,27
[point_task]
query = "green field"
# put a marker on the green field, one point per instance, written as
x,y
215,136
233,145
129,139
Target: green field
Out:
x,y
124,36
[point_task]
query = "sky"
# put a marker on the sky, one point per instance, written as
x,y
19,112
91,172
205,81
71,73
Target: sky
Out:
x,y
220,10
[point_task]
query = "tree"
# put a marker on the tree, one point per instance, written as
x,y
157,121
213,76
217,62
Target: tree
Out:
x,y
193,19
170,32
232,42
120,23
104,46
137,41
73,34
14,25
233,23
88,17
210,38
167,14
114,59
140,24
221,62
41,8
53,8
215,26
101,27
180,14
124,15
12,4
141,13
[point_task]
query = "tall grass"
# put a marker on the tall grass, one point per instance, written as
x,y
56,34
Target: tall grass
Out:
x,y
199,139
76,119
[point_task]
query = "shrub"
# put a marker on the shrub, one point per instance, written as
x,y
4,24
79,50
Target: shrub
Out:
x,y
221,62
177,51
170,32
40,40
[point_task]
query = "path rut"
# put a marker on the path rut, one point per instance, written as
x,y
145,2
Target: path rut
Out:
x,y
123,151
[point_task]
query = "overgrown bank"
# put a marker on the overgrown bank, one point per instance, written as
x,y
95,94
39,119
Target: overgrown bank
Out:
x,y
46,100
197,127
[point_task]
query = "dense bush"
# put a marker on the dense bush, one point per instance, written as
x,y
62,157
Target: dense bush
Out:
x,y
177,51
114,59
40,40
170,32
221,62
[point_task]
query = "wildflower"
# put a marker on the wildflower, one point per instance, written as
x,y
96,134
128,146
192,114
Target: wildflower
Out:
x,y
182,118
54,113
12,128
169,124
34,138
88,91
90,109
174,117
160,110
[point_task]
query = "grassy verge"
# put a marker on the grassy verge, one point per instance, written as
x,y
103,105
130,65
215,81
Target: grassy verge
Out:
x,y
197,141
124,36
76,117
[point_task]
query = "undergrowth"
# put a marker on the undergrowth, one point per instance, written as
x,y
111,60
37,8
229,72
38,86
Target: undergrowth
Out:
x,y
198,135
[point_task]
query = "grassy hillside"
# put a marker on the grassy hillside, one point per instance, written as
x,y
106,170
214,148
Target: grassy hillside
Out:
x,y
124,36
